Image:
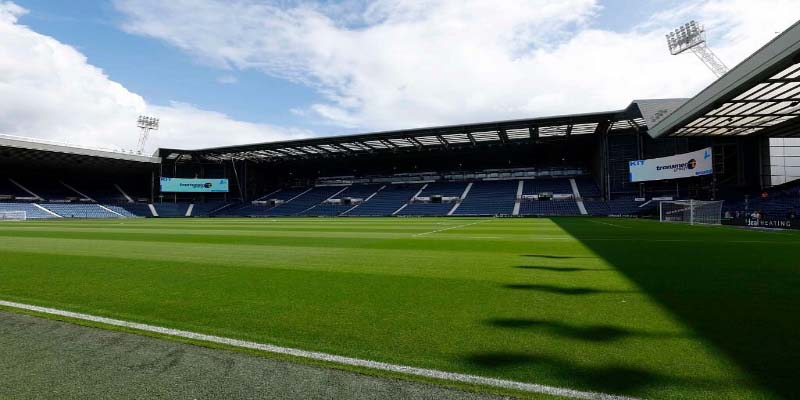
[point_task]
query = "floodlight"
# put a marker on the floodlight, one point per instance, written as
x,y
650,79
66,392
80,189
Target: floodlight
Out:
x,y
146,124
691,36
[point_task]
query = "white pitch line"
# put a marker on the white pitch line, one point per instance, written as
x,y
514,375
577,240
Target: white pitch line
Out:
x,y
377,365
452,227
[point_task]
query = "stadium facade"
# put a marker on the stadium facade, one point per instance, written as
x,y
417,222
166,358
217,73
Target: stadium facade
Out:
x,y
561,165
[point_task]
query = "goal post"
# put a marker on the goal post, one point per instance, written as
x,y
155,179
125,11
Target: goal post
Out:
x,y
691,212
13,216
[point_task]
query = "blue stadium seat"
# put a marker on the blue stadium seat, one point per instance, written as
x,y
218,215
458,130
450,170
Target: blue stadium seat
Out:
x,y
547,185
354,191
171,209
386,201
445,189
489,198
549,207
69,210
587,187
31,211
255,210
304,201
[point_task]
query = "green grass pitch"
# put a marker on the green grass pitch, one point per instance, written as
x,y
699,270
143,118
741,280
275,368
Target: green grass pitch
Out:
x,y
617,306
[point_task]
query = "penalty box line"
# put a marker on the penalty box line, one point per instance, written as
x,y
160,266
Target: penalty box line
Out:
x,y
376,365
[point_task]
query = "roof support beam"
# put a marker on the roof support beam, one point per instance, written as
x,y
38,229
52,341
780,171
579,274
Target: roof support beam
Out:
x,y
503,135
416,142
471,138
443,142
534,132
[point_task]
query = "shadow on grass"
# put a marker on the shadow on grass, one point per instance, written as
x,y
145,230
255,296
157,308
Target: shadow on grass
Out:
x,y
743,298
557,269
613,379
573,291
552,257
591,333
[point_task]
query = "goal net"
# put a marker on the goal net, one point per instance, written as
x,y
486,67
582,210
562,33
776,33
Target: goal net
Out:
x,y
13,216
691,212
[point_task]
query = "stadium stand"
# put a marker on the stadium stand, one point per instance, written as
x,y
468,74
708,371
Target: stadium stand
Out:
x,y
386,201
780,202
621,206
80,210
255,210
587,187
171,209
306,200
443,189
31,210
554,185
489,198
549,207
137,209
360,192
208,208
125,212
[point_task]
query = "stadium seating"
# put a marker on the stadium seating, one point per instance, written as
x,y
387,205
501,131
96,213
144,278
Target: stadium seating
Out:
x,y
67,210
31,211
138,209
445,189
355,191
486,197
549,207
552,185
208,208
587,187
126,213
619,206
489,198
775,206
597,208
255,210
171,209
304,201
386,201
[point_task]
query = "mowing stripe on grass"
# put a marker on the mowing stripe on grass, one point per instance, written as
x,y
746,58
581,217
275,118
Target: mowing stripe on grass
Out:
x,y
610,224
452,227
377,365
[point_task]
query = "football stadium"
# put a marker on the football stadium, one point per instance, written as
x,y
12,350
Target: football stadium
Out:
x,y
645,252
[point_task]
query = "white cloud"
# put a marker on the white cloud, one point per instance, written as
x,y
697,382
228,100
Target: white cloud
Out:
x,y
402,63
48,90
184,125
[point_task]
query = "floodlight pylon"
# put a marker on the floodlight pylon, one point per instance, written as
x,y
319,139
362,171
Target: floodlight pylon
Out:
x,y
145,124
692,37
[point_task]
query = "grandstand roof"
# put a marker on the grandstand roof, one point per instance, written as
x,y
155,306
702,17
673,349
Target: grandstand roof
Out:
x,y
760,96
497,133
14,149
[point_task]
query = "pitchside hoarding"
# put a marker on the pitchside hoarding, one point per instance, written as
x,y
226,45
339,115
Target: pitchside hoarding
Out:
x,y
184,185
686,165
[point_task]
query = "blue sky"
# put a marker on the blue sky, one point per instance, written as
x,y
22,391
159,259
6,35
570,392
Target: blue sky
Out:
x,y
159,72
227,72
